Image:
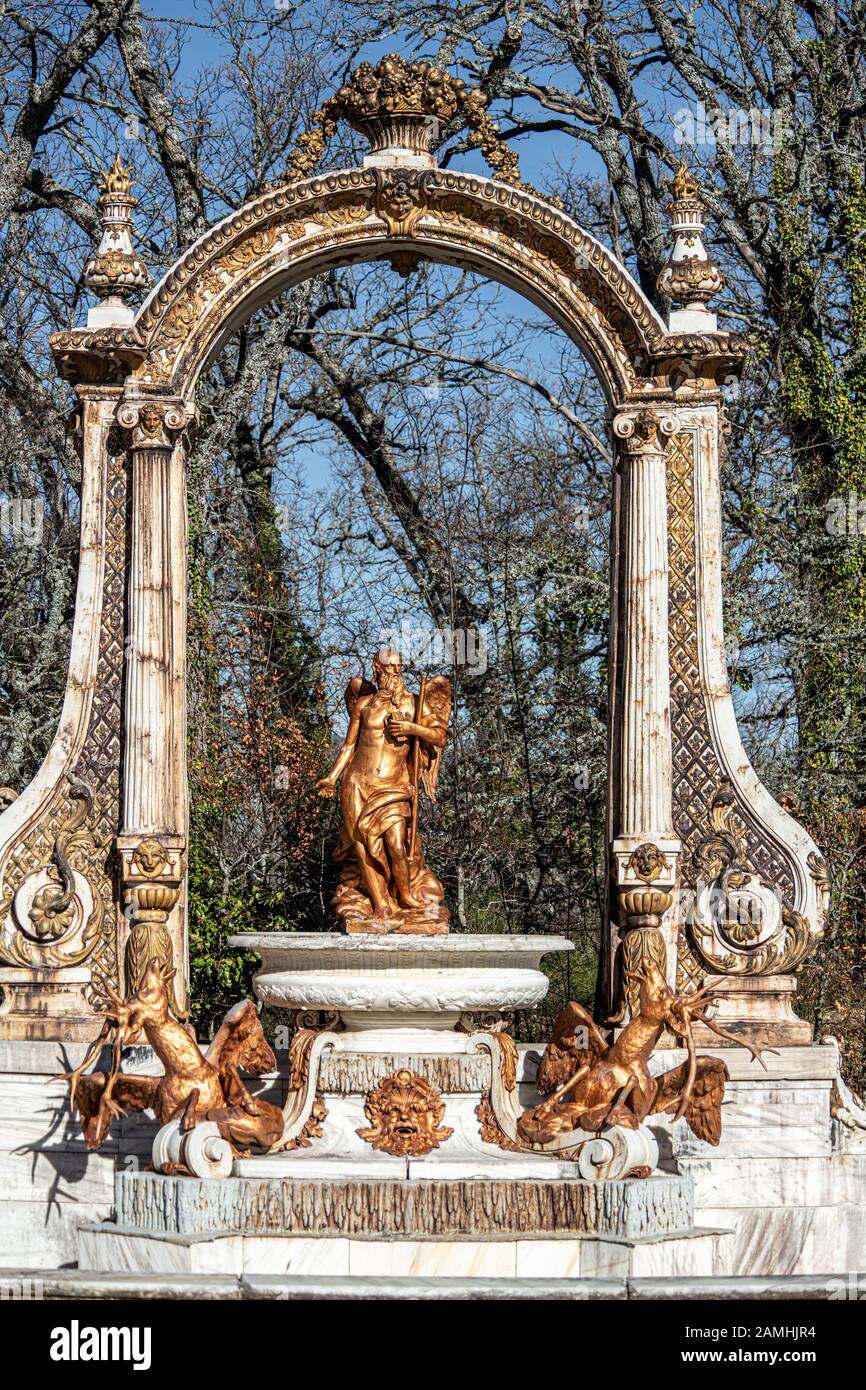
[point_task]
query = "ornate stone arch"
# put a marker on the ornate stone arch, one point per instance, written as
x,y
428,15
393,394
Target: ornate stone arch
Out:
x,y
293,232
92,854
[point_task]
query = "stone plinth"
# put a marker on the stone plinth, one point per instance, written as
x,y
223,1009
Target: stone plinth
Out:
x,y
42,1004
757,1007
403,1229
408,1209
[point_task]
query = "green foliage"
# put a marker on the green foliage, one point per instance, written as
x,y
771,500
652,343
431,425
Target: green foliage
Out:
x,y
832,986
824,399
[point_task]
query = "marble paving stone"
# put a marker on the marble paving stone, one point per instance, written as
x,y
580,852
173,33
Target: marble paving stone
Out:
x,y
764,1240
720,1289
835,1240
548,1259
116,1253
279,1255
78,1284
810,1063
475,1290
56,1175
221,1256
697,1255
102,1285
431,1259
794,1240
771,1182
107,1248
43,1235
605,1259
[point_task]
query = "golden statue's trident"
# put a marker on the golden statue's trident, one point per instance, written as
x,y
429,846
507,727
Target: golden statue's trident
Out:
x,y
416,768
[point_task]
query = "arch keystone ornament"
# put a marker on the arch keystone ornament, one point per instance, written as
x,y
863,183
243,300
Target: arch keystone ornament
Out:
x,y
695,842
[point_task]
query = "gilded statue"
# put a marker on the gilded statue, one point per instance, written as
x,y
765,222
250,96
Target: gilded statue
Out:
x,y
393,748
611,1084
196,1086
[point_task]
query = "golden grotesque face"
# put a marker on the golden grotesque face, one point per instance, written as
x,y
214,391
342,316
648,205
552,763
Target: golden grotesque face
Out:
x,y
405,1114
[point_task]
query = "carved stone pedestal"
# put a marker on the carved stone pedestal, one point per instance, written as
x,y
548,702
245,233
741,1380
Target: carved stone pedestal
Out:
x,y
757,1007
47,1004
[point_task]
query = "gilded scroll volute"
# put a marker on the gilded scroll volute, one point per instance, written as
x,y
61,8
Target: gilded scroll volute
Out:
x,y
52,908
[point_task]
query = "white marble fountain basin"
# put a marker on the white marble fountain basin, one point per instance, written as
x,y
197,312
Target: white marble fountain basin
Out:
x,y
418,985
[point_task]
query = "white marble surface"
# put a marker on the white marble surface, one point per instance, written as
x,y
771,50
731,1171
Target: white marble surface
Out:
x,y
791,1240
335,944
117,1250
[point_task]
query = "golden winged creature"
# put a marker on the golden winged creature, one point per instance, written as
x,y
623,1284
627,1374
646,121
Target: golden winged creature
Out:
x,y
196,1086
611,1084
393,747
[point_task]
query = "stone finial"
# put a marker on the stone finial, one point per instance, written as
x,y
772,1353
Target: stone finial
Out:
x,y
115,273
690,277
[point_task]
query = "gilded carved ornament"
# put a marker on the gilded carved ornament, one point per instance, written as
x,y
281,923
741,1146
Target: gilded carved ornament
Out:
x,y
490,1130
299,1057
400,199
401,104
690,276
405,1114
644,432
538,239
647,862
150,857
737,922
115,272
54,914
312,1128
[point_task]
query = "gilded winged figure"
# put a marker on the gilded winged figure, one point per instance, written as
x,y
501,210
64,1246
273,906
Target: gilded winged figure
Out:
x,y
393,748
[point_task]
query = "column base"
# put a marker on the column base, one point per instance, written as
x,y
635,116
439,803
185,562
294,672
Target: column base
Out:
x,y
759,1008
47,1005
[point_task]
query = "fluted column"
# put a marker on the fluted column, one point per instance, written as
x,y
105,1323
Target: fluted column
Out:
x,y
152,846
644,847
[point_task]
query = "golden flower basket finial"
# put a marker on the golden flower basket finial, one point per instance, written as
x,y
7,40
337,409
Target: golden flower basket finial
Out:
x,y
402,105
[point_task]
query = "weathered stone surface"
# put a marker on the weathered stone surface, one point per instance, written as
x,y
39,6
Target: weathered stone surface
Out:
x,y
122,1249
734,1182
792,1240
715,1289
85,1284
356,1073
818,1062
53,1285
153,1202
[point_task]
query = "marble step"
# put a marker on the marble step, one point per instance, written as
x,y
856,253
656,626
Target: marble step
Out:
x,y
125,1249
